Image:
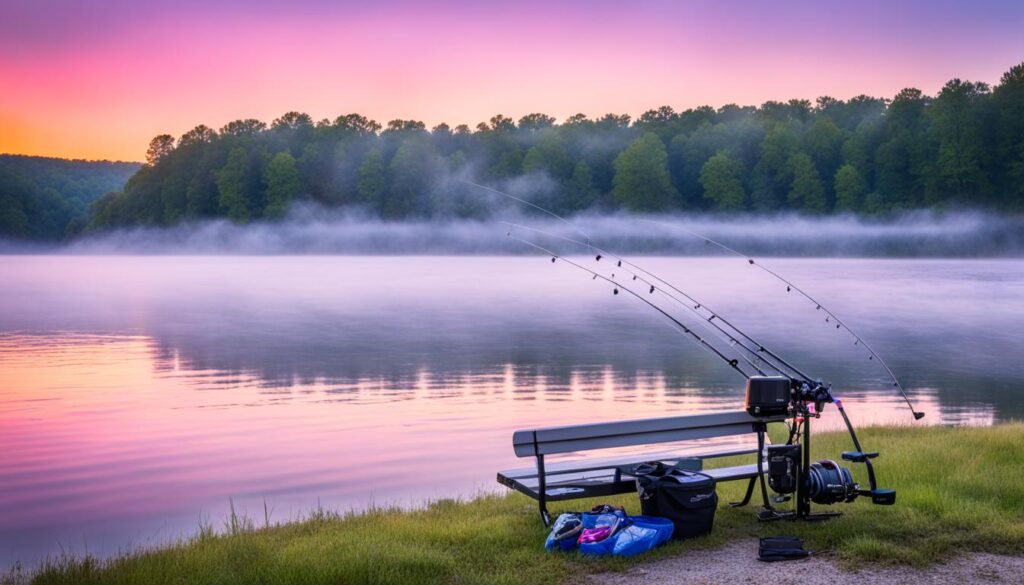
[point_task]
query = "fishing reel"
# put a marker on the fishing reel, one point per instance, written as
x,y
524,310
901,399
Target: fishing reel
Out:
x,y
825,482
816,394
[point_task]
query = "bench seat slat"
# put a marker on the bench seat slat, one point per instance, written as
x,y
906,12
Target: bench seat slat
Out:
x,y
571,445
560,467
554,440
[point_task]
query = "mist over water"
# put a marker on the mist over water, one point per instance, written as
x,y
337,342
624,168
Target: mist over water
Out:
x,y
314,230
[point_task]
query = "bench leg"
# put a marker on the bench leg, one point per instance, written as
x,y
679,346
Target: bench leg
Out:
x,y
542,492
746,497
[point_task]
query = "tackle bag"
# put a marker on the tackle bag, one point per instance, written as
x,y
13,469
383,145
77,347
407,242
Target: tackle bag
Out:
x,y
781,548
687,498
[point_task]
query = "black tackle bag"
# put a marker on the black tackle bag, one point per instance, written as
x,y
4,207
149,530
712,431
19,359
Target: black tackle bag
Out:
x,y
687,498
781,548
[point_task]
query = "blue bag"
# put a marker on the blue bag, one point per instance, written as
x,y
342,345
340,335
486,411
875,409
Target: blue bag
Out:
x,y
631,535
643,533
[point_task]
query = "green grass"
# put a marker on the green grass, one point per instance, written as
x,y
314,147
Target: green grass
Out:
x,y
959,489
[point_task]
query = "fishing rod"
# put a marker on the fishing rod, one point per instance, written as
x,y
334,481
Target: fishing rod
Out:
x,y
761,348
694,308
733,363
652,290
830,316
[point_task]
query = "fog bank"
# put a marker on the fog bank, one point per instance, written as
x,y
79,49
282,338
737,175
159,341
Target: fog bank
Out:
x,y
310,230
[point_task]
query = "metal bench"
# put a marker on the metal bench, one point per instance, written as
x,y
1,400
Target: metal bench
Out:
x,y
568,480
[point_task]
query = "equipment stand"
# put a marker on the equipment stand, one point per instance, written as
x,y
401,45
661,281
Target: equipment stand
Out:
x,y
803,500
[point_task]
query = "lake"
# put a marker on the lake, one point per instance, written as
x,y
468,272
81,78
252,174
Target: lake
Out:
x,y
141,396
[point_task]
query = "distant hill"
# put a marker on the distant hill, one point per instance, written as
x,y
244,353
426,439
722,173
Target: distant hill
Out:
x,y
47,199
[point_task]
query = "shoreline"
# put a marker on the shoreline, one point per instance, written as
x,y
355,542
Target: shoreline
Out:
x,y
958,493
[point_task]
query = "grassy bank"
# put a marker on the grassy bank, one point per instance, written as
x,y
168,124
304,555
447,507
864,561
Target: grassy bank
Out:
x,y
959,489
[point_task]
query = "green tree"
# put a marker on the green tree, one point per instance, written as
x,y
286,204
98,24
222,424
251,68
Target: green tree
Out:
x,y
549,156
535,122
198,136
372,178
772,175
1008,147
13,220
231,184
282,179
201,195
722,180
642,181
457,160
356,125
580,188
243,128
159,148
958,127
824,142
851,188
663,121
414,171
292,121
807,193
904,163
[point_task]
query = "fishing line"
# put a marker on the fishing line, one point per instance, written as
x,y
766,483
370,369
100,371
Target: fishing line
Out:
x,y
873,356
693,308
732,362
714,315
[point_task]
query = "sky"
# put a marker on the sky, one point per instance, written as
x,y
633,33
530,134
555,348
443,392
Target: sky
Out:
x,y
97,80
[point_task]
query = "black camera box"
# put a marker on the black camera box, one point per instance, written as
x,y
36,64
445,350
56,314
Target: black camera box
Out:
x,y
767,395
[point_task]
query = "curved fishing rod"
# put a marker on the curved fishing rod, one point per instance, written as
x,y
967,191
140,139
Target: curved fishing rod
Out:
x,y
732,362
714,315
694,308
918,415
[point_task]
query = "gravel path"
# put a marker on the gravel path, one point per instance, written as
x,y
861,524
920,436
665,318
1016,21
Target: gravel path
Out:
x,y
737,564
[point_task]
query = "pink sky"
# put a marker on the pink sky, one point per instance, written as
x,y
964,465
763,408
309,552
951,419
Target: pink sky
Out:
x,y
98,80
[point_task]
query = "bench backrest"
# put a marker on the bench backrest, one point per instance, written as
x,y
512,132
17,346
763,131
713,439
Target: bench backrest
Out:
x,y
628,433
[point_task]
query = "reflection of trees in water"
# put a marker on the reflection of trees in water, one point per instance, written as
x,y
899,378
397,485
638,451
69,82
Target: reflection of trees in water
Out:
x,y
420,351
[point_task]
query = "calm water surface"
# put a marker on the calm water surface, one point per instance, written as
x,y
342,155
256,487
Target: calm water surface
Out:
x,y
139,395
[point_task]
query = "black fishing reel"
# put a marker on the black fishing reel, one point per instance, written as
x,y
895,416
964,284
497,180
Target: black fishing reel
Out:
x,y
816,393
826,482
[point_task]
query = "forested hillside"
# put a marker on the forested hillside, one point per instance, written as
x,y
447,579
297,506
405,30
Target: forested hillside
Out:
x,y
48,198
964,146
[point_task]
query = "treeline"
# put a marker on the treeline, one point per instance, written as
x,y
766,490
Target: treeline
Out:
x,y
962,147
48,198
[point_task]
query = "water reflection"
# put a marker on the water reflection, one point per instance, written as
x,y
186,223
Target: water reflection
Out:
x,y
139,394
